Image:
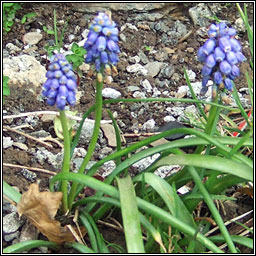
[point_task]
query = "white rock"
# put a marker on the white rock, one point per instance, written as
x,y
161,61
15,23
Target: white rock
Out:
x,y
24,69
191,75
146,84
12,48
85,33
153,68
165,171
32,38
110,93
7,142
140,95
137,68
168,119
134,59
175,111
11,223
108,167
149,125
145,162
128,25
156,93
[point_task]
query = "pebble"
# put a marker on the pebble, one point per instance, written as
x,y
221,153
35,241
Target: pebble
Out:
x,y
145,162
32,38
134,68
165,171
123,37
146,84
12,236
191,75
71,37
239,25
108,168
7,142
156,93
168,119
132,88
21,146
175,77
182,91
149,125
199,15
105,152
80,152
144,59
12,48
31,176
110,93
175,111
140,95
134,59
11,222
153,68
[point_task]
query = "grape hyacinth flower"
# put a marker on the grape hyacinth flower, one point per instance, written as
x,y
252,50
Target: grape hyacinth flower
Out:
x,y
102,42
60,86
221,54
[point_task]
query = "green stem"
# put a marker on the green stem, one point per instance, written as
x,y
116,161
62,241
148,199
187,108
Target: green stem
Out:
x,y
66,160
98,115
55,29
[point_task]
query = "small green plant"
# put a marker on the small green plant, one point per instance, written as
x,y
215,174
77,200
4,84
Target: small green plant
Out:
x,y
9,11
6,88
147,48
48,31
77,57
27,17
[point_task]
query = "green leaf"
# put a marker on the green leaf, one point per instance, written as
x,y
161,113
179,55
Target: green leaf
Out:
x,y
23,20
210,162
27,245
80,247
11,192
7,4
169,196
130,216
30,15
74,47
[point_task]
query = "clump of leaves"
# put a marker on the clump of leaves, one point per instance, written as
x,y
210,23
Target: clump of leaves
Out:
x,y
6,88
9,11
77,57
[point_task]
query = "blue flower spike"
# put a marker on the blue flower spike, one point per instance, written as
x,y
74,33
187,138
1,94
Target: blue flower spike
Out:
x,y
102,43
221,54
61,84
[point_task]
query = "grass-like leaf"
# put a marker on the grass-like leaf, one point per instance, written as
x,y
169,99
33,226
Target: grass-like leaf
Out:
x,y
130,216
11,192
27,245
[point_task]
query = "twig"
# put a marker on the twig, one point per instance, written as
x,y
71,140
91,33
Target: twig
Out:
x,y
9,200
55,113
28,136
30,168
228,222
78,239
111,225
53,140
134,135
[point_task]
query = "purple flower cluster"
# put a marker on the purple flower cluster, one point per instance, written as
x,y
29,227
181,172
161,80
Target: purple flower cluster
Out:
x,y
60,86
221,54
102,42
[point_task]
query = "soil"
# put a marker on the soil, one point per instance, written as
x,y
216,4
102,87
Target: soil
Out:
x,y
23,100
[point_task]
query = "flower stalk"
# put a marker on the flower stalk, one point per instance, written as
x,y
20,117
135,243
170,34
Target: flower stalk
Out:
x,y
66,160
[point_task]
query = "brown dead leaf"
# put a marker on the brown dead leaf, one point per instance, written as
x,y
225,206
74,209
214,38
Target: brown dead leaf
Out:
x,y
40,208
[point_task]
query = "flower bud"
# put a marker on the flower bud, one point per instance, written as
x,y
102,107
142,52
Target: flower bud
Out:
x,y
225,67
236,46
219,55
210,61
209,46
225,44
231,58
228,84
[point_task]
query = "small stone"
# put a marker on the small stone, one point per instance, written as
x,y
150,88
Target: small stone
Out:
x,y
191,75
146,84
168,119
11,236
32,38
107,168
132,88
134,59
182,91
123,37
85,33
71,37
7,142
199,14
105,152
137,68
11,223
140,95
31,176
12,48
153,68
80,152
28,232
239,25
143,57
175,111
110,93
156,93
190,49
109,132
168,50
149,125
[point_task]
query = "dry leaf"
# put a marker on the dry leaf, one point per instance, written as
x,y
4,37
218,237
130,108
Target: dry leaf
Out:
x,y
40,208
